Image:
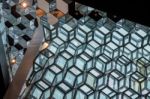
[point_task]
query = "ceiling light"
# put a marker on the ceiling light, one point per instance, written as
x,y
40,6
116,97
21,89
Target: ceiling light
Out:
x,y
44,46
13,61
24,4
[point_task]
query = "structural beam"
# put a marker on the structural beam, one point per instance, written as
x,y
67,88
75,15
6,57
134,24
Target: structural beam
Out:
x,y
4,74
19,79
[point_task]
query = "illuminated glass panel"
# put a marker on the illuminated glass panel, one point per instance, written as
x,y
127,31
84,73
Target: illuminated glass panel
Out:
x,y
88,59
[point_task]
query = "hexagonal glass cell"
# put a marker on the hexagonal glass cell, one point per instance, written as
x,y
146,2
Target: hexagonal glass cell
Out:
x,y
102,35
36,93
46,94
91,80
49,33
41,60
117,38
57,45
49,77
115,79
74,47
94,48
58,94
130,51
83,33
66,32
70,78
61,62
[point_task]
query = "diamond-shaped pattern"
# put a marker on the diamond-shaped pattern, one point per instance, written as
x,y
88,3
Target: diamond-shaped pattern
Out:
x,y
89,55
20,27
106,61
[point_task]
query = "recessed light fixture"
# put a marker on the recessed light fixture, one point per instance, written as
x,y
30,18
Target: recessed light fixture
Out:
x,y
44,46
24,4
13,61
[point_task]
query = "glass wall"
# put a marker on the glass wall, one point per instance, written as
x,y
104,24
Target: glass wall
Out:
x,y
92,58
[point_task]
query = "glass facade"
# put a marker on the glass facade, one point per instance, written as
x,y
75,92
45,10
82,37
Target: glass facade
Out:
x,y
89,56
19,28
92,59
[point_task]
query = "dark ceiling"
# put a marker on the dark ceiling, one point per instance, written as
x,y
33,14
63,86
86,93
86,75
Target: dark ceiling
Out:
x,y
133,10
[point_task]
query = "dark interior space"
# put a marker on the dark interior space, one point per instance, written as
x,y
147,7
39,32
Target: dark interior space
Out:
x,y
133,10
2,85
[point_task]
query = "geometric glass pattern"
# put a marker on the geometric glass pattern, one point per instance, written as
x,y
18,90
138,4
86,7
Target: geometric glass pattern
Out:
x,y
89,56
92,59
19,28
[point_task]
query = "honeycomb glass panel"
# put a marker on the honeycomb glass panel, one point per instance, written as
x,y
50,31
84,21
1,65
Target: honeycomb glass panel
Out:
x,y
49,76
91,58
58,94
